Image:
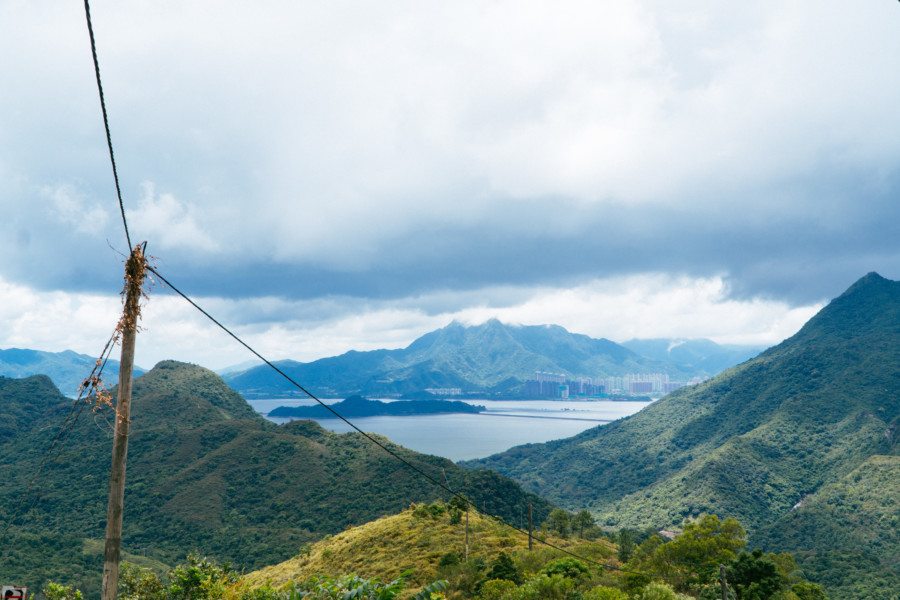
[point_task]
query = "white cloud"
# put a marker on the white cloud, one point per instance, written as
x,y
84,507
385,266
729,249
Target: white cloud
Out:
x,y
55,321
655,306
70,208
168,223
356,143
619,309
357,124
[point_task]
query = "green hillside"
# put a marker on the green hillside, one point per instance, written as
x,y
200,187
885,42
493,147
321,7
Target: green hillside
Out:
x,y
204,472
488,357
847,534
413,541
750,443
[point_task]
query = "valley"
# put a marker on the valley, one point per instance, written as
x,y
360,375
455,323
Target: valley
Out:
x,y
799,444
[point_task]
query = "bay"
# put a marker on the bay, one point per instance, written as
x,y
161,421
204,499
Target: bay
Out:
x,y
505,423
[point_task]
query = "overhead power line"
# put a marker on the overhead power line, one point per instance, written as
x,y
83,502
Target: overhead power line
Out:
x,y
112,156
433,480
408,464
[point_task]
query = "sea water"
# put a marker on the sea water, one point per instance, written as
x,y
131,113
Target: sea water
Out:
x,y
505,423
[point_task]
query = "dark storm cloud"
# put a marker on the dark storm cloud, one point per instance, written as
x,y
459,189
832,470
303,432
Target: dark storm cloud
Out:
x,y
432,167
805,254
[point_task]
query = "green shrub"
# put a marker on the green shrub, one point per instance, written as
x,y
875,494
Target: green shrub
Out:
x,y
57,591
661,591
136,583
497,589
603,592
545,587
450,559
200,579
571,568
503,567
809,591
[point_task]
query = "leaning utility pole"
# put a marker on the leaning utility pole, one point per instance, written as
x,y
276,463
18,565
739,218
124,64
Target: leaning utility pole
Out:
x,y
135,270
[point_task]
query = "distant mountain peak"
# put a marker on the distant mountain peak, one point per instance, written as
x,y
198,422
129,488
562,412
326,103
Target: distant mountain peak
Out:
x,y
871,303
869,282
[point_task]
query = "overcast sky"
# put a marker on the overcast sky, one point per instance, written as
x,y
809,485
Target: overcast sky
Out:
x,y
337,175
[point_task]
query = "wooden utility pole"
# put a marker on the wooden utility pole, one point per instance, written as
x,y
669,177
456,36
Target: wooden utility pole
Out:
x,y
723,582
467,531
135,270
530,527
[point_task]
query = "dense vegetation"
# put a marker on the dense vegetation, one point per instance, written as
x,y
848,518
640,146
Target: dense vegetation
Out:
x,y
846,534
66,369
357,406
204,472
788,426
492,357
421,553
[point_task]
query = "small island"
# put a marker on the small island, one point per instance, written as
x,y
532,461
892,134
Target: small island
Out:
x,y
357,406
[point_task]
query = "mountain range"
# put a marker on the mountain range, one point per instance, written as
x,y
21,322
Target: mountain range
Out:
x,y
67,369
491,358
205,472
799,443
700,356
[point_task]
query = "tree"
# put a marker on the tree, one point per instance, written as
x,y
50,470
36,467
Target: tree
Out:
x,y
200,579
661,591
57,591
626,540
136,583
503,567
583,520
755,576
559,521
570,568
545,587
809,591
692,559
602,592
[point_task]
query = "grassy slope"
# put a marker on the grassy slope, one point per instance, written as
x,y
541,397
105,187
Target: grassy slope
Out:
x,y
401,543
750,443
204,472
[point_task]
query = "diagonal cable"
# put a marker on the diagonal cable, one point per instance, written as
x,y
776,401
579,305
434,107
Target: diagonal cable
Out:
x,y
112,156
373,439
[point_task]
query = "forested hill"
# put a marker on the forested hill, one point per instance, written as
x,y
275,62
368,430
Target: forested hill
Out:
x,y
204,472
357,406
776,431
492,356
